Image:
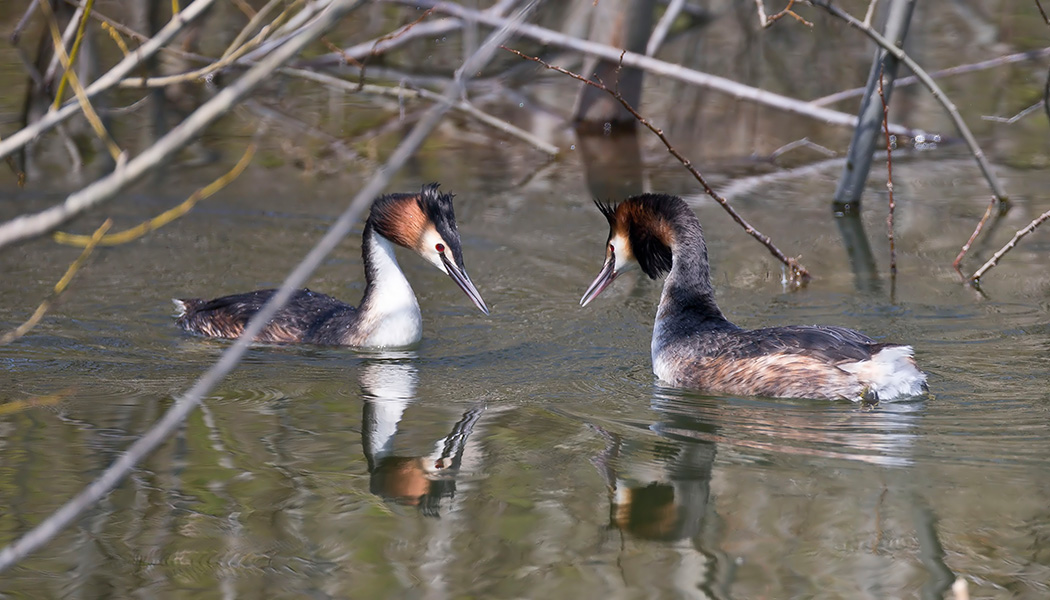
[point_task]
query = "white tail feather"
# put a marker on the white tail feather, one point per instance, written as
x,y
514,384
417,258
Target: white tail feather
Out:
x,y
180,307
891,373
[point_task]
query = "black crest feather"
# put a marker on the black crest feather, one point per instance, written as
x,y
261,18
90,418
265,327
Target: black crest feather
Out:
x,y
608,209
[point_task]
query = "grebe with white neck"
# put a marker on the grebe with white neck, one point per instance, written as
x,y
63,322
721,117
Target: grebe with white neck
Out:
x,y
388,315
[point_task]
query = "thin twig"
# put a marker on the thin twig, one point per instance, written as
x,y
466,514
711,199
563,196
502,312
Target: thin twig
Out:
x,y
32,225
899,54
430,29
1042,12
956,70
994,260
16,34
957,263
787,12
105,82
658,67
871,12
59,288
115,35
82,98
889,184
203,72
1011,120
77,41
390,36
253,23
799,274
400,92
674,8
123,237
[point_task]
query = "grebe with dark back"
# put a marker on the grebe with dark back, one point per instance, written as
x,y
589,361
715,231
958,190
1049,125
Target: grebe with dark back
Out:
x,y
388,315
695,346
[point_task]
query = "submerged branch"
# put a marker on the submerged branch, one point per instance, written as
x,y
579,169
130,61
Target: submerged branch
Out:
x,y
799,274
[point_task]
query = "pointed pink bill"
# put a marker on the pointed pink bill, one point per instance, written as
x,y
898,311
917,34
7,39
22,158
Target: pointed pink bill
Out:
x,y
464,283
602,281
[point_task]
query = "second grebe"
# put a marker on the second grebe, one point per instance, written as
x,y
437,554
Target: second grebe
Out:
x,y
389,313
695,346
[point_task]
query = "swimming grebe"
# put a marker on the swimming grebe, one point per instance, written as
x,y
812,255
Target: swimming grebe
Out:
x,y
695,346
389,313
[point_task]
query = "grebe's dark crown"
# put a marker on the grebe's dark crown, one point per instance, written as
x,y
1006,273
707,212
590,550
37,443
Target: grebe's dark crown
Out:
x,y
645,220
438,209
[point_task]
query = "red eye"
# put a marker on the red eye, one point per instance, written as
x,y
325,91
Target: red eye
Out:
x,y
440,247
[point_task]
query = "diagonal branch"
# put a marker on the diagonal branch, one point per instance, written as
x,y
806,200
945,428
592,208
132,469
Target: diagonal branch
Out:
x,y
658,67
994,260
799,274
28,226
105,82
931,85
185,404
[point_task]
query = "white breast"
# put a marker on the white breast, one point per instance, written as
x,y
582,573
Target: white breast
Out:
x,y
391,313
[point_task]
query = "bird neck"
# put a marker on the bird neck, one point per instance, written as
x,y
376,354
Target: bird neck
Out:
x,y
389,308
687,289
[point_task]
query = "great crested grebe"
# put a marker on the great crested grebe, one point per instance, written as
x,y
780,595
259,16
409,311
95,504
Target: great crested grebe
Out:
x,y
695,346
389,313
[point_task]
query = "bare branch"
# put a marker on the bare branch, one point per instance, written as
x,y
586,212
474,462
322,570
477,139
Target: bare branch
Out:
x,y
185,404
1011,120
658,67
111,78
956,264
28,226
957,70
664,25
123,237
994,260
889,183
975,149
911,80
400,92
799,274
70,74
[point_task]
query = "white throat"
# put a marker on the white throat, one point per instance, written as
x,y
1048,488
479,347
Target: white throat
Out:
x,y
390,313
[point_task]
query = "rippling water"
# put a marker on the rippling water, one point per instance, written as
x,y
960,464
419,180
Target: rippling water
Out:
x,y
529,453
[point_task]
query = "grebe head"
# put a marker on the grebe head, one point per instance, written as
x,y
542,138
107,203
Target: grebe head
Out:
x,y
426,223
640,235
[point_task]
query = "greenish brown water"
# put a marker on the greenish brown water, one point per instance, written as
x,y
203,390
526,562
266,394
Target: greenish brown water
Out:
x,y
530,453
